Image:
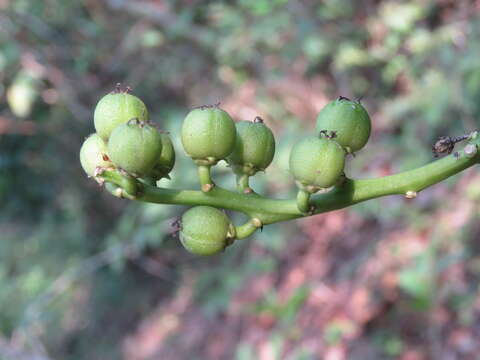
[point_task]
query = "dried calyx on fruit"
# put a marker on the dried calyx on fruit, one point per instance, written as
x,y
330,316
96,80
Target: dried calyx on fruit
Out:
x,y
348,120
117,108
205,230
135,147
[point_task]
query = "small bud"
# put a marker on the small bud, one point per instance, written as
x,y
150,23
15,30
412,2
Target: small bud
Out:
x,y
411,194
118,193
207,187
257,222
470,150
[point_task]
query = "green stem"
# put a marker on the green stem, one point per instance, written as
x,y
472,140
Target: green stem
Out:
x,y
247,229
124,181
351,192
206,182
242,183
303,201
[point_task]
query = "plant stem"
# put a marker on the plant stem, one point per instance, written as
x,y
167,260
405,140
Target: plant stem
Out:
x,y
242,183
206,182
351,192
303,201
247,229
124,181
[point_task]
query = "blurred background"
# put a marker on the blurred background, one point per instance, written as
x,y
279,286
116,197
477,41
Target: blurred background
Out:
x,y
84,275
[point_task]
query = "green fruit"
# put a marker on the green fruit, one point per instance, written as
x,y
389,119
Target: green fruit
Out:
x,y
348,120
135,147
93,154
117,108
317,163
204,230
254,147
208,135
167,159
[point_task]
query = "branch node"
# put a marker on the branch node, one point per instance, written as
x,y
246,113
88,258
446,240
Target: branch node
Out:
x,y
118,193
410,194
207,187
257,222
470,150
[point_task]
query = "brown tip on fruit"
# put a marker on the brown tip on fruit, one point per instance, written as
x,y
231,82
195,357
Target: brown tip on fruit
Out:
x,y
258,120
211,106
134,121
118,89
340,98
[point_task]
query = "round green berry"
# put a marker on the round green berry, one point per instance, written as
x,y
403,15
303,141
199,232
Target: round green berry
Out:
x,y
348,120
208,135
167,158
135,147
317,163
254,147
117,108
93,154
204,230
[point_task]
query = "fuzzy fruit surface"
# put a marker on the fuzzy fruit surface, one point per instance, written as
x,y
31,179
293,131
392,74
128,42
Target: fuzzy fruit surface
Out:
x,y
208,133
135,147
167,158
317,162
254,147
115,109
93,154
349,120
204,230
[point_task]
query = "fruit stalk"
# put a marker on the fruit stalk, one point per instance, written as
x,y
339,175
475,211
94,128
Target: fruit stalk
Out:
x,y
205,178
243,183
303,201
245,230
351,192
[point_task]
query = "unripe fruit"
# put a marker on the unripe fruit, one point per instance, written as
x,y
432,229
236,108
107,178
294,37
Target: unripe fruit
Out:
x,y
204,230
117,108
135,147
254,147
348,120
208,135
167,158
317,163
93,154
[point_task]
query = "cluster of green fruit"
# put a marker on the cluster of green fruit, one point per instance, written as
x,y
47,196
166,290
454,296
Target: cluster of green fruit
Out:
x,y
126,141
